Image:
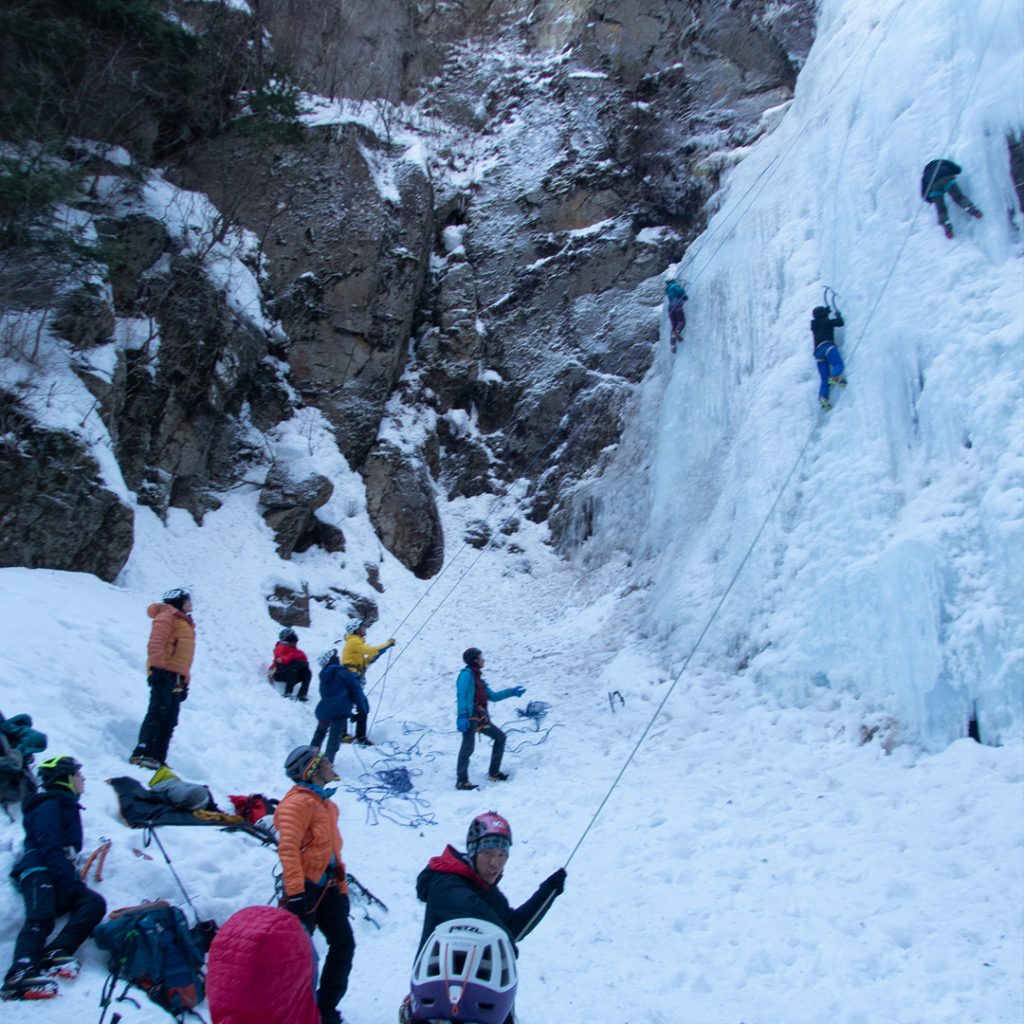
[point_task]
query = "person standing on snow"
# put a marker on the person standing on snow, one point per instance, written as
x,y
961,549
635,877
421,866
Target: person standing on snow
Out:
x,y
939,179
471,697
313,873
339,691
290,665
826,354
357,656
676,295
466,884
172,645
48,881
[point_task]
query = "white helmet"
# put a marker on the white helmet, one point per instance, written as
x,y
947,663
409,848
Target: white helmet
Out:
x,y
353,624
327,657
466,970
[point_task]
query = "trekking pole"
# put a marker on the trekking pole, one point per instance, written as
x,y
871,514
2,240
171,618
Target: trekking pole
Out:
x,y
149,834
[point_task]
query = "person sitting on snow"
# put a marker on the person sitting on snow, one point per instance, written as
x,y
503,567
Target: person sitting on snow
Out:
x,y
826,354
290,665
46,875
939,179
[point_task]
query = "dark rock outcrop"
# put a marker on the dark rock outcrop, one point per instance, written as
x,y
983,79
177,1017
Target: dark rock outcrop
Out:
x,y
55,512
289,509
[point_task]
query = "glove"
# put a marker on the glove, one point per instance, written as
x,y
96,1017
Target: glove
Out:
x,y
296,905
181,692
555,882
390,643
518,691
462,723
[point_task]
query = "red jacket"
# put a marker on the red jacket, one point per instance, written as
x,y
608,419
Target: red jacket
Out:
x,y
284,653
260,970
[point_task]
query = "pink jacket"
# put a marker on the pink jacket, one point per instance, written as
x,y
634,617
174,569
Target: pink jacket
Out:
x,y
260,970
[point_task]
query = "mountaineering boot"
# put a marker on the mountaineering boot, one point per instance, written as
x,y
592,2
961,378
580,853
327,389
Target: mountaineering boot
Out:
x,y
347,738
58,964
974,212
144,762
363,741
825,404
837,382
27,983
466,784
498,777
948,228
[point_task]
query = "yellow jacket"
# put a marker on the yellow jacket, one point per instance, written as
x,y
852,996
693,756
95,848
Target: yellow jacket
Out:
x,y
307,837
358,654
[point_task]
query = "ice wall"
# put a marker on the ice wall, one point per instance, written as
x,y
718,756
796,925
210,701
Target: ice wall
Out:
x,y
875,548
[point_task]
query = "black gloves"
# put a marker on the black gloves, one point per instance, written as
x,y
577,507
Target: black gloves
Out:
x,y
296,905
556,882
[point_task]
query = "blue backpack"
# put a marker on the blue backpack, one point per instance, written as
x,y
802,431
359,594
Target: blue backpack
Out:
x,y
152,947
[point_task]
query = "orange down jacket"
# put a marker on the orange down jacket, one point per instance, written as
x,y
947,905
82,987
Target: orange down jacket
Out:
x,y
172,640
260,970
307,837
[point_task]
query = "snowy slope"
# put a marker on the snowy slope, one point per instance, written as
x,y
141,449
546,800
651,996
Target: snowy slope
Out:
x,y
751,860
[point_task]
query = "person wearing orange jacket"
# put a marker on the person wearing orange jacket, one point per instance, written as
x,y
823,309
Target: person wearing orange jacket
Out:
x,y
312,871
172,645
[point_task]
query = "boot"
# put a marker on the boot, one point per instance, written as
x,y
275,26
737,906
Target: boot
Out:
x,y
57,963
25,982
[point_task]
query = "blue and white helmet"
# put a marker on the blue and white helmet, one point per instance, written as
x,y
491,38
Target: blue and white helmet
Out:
x,y
327,657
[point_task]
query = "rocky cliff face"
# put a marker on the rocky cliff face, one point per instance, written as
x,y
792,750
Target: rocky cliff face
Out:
x,y
479,250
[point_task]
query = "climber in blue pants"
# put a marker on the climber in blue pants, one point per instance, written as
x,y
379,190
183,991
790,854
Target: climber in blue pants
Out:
x,y
826,354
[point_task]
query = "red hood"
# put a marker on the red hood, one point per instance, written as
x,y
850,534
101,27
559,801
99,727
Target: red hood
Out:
x,y
451,862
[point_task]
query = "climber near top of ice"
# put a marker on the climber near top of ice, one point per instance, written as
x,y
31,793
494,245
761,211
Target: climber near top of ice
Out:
x,y
826,354
676,295
939,178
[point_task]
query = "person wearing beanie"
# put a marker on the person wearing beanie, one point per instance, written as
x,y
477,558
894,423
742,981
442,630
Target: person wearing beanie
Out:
x,y
290,665
471,698
172,645
254,945
457,884
47,878
312,871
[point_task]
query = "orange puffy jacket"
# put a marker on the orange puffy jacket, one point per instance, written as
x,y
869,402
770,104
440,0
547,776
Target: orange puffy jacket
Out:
x,y
307,836
260,970
172,640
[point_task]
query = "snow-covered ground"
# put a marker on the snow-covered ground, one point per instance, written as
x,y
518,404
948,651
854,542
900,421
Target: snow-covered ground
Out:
x,y
795,839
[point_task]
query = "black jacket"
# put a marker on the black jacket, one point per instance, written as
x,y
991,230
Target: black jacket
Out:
x,y
936,176
823,328
53,832
451,888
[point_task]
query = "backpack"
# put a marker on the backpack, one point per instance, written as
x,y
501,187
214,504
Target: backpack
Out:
x,y
255,807
152,947
18,742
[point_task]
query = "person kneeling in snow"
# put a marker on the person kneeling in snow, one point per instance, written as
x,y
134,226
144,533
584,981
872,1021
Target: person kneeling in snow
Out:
x,y
48,880
260,970
465,885
290,665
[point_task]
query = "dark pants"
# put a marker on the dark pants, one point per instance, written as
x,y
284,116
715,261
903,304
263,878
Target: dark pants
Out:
x,y
44,903
295,673
331,917
830,364
466,751
161,718
333,729
957,196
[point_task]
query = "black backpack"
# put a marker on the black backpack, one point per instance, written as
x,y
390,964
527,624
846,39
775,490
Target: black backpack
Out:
x,y
18,742
151,946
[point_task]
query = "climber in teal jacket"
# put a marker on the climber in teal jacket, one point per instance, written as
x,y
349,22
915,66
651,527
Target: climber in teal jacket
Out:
x,y
472,695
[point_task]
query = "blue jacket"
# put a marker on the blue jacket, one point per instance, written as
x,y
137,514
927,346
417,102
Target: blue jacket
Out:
x,y
53,828
339,689
465,689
